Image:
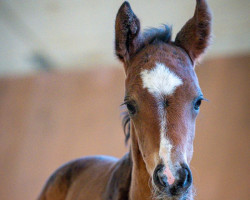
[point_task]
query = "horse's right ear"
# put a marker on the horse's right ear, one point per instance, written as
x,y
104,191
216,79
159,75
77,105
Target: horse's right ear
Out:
x,y
127,33
195,35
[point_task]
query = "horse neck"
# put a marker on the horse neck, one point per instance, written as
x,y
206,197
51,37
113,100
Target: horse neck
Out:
x,y
140,179
118,185
129,178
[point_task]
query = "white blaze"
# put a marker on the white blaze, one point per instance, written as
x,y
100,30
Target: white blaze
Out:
x,y
161,82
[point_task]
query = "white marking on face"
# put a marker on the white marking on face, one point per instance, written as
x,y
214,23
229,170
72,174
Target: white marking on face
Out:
x,y
160,82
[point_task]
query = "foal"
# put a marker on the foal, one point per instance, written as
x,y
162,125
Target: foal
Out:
x,y
163,99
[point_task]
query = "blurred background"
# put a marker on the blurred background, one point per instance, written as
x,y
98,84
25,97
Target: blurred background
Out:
x,y
61,87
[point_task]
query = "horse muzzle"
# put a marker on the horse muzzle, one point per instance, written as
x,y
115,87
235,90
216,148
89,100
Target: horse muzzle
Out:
x,y
181,184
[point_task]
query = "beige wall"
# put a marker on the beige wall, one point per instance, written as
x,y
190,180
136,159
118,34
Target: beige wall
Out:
x,y
51,118
80,33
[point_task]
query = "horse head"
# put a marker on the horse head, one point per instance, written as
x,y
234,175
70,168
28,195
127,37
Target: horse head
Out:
x,y
162,95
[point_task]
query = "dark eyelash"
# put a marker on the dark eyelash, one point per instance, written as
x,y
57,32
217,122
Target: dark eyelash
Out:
x,y
123,104
204,99
126,102
126,99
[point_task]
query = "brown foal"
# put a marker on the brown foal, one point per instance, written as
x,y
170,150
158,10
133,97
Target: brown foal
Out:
x,y
163,98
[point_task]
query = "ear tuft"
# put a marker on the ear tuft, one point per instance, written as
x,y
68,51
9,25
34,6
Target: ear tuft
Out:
x,y
195,35
127,33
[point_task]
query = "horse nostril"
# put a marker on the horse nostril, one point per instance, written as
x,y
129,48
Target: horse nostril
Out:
x,y
185,181
185,177
159,178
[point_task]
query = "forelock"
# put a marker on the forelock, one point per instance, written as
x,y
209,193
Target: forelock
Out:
x,y
163,33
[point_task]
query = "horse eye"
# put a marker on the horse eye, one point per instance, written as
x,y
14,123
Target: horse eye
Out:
x,y
131,108
197,104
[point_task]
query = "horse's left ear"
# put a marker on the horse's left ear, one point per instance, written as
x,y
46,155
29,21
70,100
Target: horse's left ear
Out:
x,y
195,35
127,34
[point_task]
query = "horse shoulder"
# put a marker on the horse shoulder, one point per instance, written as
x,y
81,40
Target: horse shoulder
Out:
x,y
64,180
